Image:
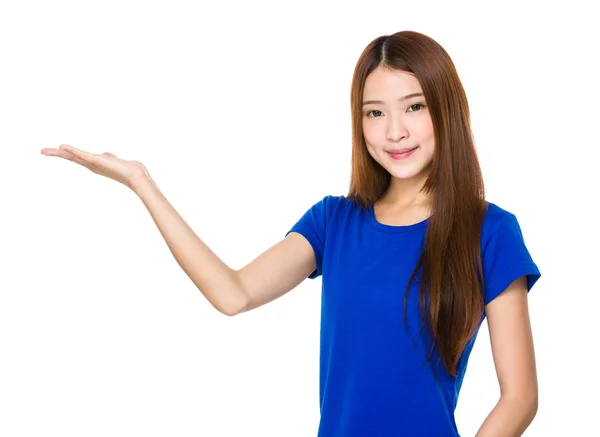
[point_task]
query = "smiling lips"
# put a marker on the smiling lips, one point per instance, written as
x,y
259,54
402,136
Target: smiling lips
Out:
x,y
402,153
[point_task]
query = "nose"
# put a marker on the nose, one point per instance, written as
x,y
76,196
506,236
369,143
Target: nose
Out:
x,y
396,130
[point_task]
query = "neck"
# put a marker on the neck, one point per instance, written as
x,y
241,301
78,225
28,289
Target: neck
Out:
x,y
406,193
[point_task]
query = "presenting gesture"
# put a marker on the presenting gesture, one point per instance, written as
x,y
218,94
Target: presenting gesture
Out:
x,y
106,164
224,287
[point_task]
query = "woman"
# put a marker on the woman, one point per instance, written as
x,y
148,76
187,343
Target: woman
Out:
x,y
412,259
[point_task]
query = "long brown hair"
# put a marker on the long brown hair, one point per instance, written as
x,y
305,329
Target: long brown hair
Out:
x,y
451,273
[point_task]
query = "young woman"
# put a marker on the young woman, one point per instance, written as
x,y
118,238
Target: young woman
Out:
x,y
412,259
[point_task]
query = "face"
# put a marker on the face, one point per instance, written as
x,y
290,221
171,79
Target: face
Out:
x,y
398,129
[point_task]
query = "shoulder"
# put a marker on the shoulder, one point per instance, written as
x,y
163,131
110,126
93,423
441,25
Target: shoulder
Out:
x,y
495,214
337,200
320,213
497,221
331,202
505,255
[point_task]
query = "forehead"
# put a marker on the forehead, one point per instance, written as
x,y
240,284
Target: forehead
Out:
x,y
385,83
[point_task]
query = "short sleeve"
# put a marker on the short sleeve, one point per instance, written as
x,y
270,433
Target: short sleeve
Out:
x,y
506,258
313,226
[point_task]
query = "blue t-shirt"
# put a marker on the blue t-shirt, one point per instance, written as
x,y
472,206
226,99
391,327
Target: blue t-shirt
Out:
x,y
372,378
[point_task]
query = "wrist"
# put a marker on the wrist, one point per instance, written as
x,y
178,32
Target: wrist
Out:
x,y
140,182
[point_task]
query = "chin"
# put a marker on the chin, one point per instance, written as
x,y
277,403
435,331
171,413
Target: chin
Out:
x,y
404,176
405,173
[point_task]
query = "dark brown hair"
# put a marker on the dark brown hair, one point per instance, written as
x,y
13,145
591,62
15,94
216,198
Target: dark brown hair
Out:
x,y
451,273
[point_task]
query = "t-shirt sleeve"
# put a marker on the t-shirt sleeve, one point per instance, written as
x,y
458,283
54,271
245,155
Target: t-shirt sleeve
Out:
x,y
506,258
313,226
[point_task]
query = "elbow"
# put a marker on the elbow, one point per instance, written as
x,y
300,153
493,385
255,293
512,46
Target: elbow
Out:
x,y
230,311
233,308
526,404
237,299
530,410
531,403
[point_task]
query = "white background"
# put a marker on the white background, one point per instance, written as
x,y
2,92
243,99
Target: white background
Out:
x,y
240,112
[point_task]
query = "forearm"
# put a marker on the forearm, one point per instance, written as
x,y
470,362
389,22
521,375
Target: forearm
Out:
x,y
215,280
509,418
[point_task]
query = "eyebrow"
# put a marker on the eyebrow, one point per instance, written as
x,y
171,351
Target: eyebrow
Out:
x,y
410,96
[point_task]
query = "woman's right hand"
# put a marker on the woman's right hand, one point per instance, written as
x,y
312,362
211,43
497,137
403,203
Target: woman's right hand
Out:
x,y
108,165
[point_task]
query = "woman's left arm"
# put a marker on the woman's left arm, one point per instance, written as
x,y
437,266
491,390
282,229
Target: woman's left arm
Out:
x,y
514,358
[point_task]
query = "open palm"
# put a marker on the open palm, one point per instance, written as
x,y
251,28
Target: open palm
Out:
x,y
106,164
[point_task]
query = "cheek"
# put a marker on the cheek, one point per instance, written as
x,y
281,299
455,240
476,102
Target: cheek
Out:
x,y
366,131
369,147
370,134
428,130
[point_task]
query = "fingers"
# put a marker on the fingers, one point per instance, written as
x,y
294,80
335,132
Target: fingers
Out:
x,y
82,154
86,156
86,159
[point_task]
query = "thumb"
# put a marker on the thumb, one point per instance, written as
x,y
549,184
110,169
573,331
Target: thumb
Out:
x,y
109,154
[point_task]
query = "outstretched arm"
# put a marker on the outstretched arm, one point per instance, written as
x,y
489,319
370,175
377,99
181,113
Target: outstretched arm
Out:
x,y
272,274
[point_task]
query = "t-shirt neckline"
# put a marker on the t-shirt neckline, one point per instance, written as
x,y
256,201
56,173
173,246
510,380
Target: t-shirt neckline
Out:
x,y
390,228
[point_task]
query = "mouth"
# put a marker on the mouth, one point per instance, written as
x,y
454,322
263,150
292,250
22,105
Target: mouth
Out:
x,y
402,153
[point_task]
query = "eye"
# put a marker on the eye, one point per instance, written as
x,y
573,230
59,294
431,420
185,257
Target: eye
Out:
x,y
373,113
416,104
